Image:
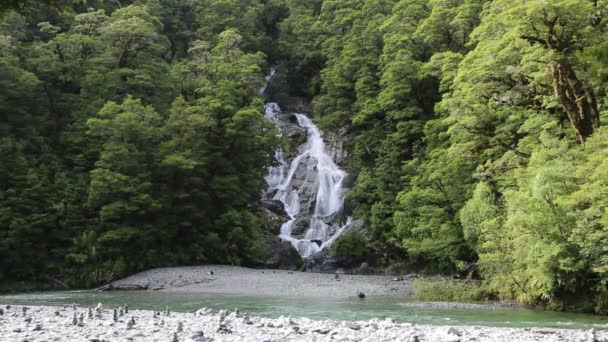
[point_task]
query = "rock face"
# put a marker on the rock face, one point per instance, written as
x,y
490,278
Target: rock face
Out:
x,y
283,255
275,207
308,183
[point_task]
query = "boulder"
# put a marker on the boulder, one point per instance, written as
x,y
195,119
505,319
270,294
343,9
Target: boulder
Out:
x,y
300,227
283,256
271,222
274,206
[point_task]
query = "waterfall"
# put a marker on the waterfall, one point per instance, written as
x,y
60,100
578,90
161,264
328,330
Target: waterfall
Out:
x,y
308,183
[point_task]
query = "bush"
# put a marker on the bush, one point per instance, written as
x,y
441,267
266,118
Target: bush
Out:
x,y
447,290
351,244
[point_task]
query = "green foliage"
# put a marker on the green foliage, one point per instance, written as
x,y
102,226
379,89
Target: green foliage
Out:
x,y
447,290
352,245
134,138
468,124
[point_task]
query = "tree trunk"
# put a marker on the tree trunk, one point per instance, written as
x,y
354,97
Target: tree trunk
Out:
x,y
577,100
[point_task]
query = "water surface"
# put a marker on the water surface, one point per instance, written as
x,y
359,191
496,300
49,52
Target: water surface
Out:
x,y
320,308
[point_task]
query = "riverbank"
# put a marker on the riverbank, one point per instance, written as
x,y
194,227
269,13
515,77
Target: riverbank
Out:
x,y
67,323
246,281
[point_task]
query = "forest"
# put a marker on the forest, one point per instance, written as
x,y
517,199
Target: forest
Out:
x,y
132,137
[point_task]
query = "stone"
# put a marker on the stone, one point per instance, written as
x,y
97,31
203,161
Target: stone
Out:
x,y
223,329
322,331
38,327
300,227
282,255
274,206
352,325
454,331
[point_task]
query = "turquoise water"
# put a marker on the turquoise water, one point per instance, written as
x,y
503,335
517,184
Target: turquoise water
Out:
x,y
319,308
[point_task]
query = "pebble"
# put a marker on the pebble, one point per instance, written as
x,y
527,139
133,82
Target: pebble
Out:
x,y
207,326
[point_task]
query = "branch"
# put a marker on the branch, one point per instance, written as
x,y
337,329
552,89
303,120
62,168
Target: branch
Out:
x,y
533,39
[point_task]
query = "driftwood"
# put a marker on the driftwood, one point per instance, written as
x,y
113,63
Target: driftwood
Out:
x,y
122,287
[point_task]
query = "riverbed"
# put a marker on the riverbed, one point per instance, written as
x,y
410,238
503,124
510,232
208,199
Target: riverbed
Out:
x,y
323,306
112,323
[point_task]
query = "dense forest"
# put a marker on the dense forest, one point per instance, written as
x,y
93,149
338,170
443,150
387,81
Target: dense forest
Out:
x,y
132,135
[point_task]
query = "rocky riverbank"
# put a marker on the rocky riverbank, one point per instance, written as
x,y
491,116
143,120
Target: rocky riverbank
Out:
x,y
71,323
246,281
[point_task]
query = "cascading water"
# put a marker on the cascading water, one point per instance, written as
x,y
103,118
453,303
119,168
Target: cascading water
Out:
x,y
309,184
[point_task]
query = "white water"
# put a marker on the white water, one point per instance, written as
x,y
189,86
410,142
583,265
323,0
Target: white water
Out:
x,y
328,179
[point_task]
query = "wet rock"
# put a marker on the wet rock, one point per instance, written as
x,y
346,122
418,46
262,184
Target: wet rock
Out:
x,y
274,206
300,227
283,256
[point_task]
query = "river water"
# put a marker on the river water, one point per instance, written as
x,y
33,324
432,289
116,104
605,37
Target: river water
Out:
x,y
343,309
